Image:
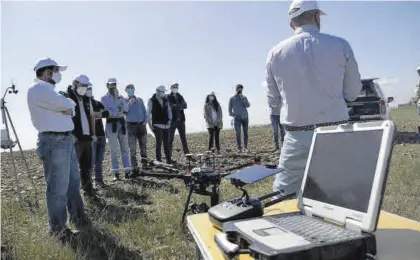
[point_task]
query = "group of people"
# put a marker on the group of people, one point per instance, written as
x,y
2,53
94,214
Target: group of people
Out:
x,y
309,63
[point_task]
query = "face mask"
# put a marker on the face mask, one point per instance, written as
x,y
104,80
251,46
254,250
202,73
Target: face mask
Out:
x,y
130,92
81,91
211,98
88,93
112,91
175,90
56,77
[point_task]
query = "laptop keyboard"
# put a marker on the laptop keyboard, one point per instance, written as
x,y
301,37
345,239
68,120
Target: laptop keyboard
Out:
x,y
312,229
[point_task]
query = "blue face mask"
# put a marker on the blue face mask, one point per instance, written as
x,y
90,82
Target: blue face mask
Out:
x,y
130,92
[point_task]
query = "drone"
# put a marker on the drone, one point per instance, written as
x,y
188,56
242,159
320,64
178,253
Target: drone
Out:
x,y
202,179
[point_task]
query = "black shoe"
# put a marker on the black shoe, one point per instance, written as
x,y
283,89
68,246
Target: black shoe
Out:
x,y
127,175
116,177
135,173
170,161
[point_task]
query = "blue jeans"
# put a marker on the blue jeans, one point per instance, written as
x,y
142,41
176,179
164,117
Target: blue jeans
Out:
x,y
292,163
62,178
98,156
118,139
241,123
275,123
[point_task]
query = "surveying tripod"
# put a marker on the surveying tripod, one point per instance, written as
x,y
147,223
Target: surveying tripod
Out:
x,y
10,144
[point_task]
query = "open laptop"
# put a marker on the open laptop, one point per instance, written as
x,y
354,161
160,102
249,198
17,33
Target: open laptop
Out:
x,y
339,200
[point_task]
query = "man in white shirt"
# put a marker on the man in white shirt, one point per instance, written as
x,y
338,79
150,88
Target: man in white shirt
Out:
x,y
308,75
51,115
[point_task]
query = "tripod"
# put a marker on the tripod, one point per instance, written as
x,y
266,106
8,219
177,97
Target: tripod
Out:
x,y
9,144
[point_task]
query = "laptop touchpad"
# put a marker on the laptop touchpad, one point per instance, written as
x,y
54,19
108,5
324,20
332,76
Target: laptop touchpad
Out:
x,y
269,231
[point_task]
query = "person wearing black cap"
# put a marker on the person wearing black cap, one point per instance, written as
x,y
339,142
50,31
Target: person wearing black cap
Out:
x,y
238,109
51,115
178,105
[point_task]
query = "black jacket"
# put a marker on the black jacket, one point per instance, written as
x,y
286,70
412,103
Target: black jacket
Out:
x,y
78,131
99,126
159,112
178,105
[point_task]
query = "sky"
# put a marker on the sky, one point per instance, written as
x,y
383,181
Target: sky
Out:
x,y
204,46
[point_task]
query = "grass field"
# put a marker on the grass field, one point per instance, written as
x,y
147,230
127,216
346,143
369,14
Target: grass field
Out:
x,y
140,219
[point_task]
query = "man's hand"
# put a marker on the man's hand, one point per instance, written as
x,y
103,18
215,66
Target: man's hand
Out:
x,y
74,139
97,115
94,138
169,123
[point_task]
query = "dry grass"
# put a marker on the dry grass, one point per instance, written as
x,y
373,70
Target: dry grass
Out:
x,y
140,219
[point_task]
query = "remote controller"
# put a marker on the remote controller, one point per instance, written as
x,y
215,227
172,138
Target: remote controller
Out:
x,y
235,209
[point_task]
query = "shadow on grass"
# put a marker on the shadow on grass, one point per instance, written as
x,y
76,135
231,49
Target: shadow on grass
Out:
x,y
154,184
125,196
114,214
95,244
407,138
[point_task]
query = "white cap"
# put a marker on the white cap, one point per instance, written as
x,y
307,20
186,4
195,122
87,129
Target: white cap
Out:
x,y
112,81
161,88
46,62
83,79
418,68
298,7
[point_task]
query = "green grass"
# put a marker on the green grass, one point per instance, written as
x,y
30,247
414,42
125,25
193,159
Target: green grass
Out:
x,y
140,220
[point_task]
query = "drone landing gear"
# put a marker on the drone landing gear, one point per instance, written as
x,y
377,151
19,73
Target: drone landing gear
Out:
x,y
203,207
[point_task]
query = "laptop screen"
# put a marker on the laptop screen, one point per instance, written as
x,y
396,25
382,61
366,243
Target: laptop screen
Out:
x,y
342,168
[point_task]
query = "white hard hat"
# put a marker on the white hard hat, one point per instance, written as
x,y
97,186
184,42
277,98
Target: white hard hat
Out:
x,y
298,7
112,81
82,79
418,68
47,62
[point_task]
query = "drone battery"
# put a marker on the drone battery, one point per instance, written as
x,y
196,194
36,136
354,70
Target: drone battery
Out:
x,y
235,209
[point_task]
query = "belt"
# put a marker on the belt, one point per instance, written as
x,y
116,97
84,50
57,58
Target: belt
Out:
x,y
135,123
56,133
312,127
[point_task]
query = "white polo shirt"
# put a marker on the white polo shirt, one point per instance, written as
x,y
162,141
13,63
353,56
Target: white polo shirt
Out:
x,y
45,105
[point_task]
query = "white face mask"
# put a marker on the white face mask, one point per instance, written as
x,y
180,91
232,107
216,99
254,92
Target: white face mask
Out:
x,y
88,93
56,77
81,91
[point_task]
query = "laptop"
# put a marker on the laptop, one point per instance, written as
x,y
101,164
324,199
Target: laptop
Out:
x,y
339,200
